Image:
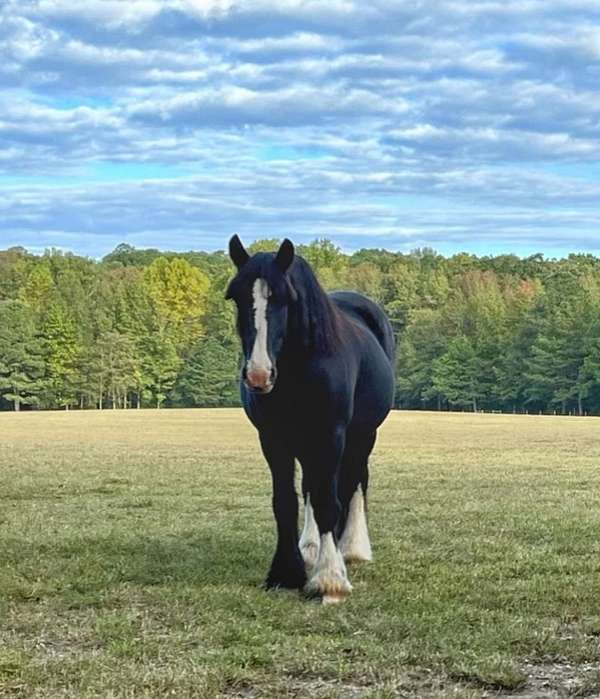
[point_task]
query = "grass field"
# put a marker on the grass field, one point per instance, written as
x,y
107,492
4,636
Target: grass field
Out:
x,y
133,546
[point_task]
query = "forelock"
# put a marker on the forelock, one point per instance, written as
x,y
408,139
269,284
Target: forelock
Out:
x,y
260,266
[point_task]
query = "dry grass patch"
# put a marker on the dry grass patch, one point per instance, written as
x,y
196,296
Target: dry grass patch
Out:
x,y
133,546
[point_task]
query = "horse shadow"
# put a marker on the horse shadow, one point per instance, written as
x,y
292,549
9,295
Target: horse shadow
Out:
x,y
92,565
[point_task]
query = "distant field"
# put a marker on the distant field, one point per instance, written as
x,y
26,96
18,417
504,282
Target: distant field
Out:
x,y
133,545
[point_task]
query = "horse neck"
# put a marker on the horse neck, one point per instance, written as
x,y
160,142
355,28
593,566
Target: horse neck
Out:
x,y
301,324
293,351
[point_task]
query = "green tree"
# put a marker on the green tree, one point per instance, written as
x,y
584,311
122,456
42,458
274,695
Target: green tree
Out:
x,y
264,245
556,372
322,253
21,363
517,338
496,332
38,287
14,265
457,374
421,344
160,366
111,368
178,293
60,351
211,375
219,319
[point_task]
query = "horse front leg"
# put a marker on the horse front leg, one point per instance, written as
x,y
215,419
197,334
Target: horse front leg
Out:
x,y
287,567
309,540
328,578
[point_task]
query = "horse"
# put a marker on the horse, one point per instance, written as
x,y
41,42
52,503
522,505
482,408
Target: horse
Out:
x,y
317,381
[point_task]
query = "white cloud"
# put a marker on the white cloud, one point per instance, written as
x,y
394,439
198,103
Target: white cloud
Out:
x,y
111,13
115,13
297,41
235,105
327,117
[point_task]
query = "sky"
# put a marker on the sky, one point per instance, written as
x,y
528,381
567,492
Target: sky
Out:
x,y
461,125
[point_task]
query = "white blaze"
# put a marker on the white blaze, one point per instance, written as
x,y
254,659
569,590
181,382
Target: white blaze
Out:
x,y
259,359
355,544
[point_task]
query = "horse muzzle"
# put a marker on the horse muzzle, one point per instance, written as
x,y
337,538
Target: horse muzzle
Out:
x,y
258,380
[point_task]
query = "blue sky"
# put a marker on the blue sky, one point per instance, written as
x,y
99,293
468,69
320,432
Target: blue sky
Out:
x,y
456,124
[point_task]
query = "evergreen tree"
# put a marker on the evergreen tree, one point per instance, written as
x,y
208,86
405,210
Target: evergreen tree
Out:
x,y
154,327
160,366
210,376
555,369
21,363
458,376
421,344
515,344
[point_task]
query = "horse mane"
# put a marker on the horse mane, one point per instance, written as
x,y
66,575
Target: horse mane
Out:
x,y
316,321
316,324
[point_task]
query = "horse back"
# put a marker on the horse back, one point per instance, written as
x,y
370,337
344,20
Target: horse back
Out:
x,y
367,313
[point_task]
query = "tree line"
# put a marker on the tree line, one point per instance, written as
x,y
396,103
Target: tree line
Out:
x,y
145,328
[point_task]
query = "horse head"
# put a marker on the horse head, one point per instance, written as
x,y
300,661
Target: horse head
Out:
x,y
263,293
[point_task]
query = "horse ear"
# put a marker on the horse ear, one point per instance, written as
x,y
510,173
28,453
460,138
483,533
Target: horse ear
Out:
x,y
285,255
237,252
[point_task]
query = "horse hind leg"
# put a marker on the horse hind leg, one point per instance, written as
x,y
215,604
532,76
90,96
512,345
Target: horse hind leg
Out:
x,y
355,544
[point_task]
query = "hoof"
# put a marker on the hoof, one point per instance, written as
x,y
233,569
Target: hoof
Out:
x,y
286,574
279,582
333,599
331,588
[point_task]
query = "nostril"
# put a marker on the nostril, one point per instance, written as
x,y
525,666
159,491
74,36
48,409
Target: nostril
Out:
x,y
273,375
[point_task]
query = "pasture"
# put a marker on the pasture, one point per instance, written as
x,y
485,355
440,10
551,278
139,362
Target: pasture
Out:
x,y
133,545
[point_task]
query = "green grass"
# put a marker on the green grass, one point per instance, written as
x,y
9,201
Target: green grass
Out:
x,y
133,546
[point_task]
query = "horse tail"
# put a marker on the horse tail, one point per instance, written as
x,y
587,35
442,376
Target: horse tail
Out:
x,y
381,327
386,337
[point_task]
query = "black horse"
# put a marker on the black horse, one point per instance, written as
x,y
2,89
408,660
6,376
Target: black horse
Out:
x,y
317,382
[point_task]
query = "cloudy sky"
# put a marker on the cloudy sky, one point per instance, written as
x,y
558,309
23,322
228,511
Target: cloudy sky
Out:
x,y
457,124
